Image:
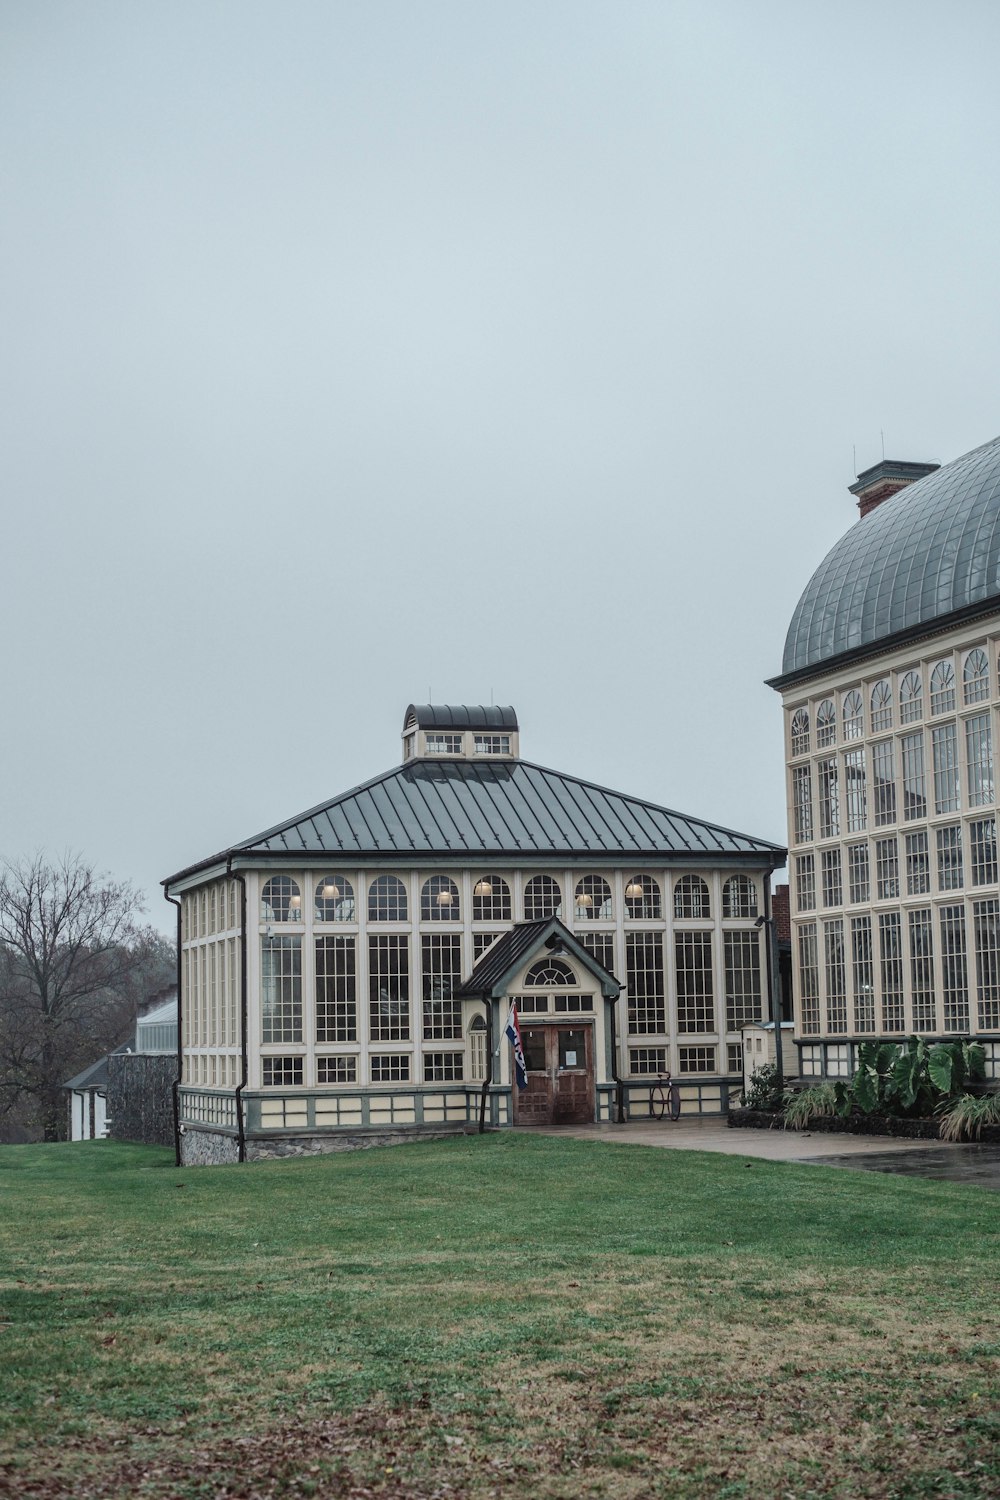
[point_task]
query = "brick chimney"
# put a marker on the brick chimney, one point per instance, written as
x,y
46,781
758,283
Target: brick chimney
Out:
x,y
886,479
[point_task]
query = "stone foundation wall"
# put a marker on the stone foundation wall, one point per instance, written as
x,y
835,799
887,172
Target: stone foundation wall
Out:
x,y
262,1149
140,1097
207,1148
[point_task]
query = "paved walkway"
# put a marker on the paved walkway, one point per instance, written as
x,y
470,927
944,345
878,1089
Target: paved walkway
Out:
x,y
713,1134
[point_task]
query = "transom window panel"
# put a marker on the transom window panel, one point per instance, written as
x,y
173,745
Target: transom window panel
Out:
x,y
922,969
891,956
549,972
954,968
441,971
334,899
739,897
443,1067
602,946
645,986
336,990
389,988
439,900
863,974
918,864
491,744
593,899
884,783
943,688
691,898
881,705
829,797
949,857
336,1070
805,882
281,900
855,791
976,676
911,699
887,868
542,898
693,960
390,1067
854,715
944,746
911,749
802,804
281,989
642,899
696,1059
809,979
743,997
800,731
826,724
444,744
833,894
836,977
491,899
387,899
979,759
281,1072
983,851
986,928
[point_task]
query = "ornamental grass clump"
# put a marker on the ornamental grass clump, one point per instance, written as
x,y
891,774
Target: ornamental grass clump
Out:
x,y
803,1106
964,1119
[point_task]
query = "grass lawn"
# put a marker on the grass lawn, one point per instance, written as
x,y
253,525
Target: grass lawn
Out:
x,y
506,1316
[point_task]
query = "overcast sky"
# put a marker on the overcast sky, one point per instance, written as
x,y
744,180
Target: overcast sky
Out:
x,y
355,352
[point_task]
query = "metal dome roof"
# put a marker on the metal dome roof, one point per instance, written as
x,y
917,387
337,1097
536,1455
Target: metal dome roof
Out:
x,y
930,552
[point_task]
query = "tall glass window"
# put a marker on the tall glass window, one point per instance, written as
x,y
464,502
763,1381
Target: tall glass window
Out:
x,y
891,957
914,776
887,869
742,979
647,1005
440,973
336,990
808,979
954,969
805,882
884,782
833,894
979,759
693,959
802,813
949,858
836,977
918,864
983,851
986,925
944,744
281,989
859,887
829,798
855,791
863,974
389,987
922,970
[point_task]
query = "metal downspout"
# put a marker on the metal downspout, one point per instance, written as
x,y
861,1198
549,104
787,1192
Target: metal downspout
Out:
x,y
773,999
488,1071
175,1087
619,1086
241,1136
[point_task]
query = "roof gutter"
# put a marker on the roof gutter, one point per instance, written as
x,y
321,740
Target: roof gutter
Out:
x,y
176,1085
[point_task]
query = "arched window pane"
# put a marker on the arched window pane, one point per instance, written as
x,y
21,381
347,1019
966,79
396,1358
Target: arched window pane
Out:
x,y
881,706
976,676
439,900
943,688
826,724
281,900
911,699
800,731
542,898
334,899
491,899
593,899
739,897
854,715
691,897
548,972
642,899
387,899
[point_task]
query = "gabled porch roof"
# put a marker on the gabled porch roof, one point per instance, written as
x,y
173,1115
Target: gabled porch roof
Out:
x,y
499,964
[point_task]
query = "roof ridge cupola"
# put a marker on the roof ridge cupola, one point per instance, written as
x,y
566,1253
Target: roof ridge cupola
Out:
x,y
436,731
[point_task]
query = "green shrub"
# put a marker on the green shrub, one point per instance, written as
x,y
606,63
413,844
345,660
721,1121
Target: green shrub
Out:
x,y
764,1091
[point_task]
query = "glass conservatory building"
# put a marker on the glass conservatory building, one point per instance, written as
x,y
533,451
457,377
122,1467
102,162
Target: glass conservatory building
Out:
x,y
891,689
346,975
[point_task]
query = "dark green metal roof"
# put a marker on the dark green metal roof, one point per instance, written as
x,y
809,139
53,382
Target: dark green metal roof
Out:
x,y
459,716
512,951
510,808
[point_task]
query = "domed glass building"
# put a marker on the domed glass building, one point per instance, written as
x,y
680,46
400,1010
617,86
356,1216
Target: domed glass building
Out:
x,y
891,684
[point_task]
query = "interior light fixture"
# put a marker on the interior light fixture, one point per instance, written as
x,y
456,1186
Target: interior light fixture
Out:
x,y
584,898
445,898
634,891
483,888
330,892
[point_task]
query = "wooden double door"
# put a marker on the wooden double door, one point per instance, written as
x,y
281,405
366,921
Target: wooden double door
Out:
x,y
560,1067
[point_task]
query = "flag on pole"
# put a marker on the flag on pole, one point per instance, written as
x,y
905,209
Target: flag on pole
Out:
x,y
513,1032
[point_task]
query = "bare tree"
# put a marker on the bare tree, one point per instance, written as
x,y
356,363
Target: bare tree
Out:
x,y
70,953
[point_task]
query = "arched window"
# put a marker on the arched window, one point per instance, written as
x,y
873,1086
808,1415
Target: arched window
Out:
x,y
387,899
943,688
854,715
739,897
881,706
593,899
691,897
477,1049
547,973
491,899
334,899
826,724
281,900
439,900
976,676
542,898
911,698
800,731
642,898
